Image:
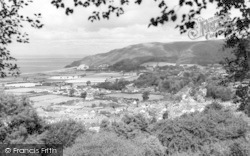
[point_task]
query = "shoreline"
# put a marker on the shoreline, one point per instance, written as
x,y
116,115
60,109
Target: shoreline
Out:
x,y
48,72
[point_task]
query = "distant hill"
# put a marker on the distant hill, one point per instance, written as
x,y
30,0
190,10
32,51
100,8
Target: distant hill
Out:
x,y
199,52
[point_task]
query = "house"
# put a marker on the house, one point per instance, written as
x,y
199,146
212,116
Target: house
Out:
x,y
82,67
103,66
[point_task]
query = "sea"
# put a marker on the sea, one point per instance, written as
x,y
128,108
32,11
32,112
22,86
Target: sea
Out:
x,y
37,64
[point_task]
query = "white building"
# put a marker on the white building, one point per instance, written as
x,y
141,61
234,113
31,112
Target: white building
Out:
x,y
82,67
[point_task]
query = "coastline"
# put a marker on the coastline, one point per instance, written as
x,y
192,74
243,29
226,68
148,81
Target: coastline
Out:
x,y
48,72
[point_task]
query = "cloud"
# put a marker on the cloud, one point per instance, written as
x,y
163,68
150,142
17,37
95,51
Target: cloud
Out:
x,y
74,34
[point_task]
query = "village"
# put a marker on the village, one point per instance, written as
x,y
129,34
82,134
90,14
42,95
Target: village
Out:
x,y
73,94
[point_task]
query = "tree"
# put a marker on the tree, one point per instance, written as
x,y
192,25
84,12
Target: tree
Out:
x,y
11,24
145,96
88,83
84,95
104,143
71,92
19,122
64,132
165,115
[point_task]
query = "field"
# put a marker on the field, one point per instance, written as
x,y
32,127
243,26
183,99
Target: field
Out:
x,y
55,107
136,96
24,91
102,77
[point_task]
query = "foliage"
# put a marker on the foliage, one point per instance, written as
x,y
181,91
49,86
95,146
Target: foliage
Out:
x,y
109,144
105,144
238,66
147,79
11,26
64,132
237,149
18,120
130,126
145,96
165,115
219,92
150,145
166,13
126,65
194,131
104,124
117,85
84,95
93,105
168,80
242,97
247,110
88,83
71,92
213,106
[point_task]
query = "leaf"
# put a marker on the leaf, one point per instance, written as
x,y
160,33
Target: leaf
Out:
x,y
189,3
173,18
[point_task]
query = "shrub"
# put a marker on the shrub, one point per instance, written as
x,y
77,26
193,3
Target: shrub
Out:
x,y
104,124
194,131
105,144
64,132
93,105
165,115
219,92
71,92
145,96
213,106
247,110
117,85
237,149
84,95
130,126
18,120
150,145
242,97
109,144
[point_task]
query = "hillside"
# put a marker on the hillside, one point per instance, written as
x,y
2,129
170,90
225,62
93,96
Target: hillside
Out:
x,y
199,52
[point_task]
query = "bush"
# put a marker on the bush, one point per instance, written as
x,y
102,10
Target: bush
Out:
x,y
64,132
19,121
145,96
84,95
117,85
219,92
165,115
247,110
237,149
109,144
105,144
130,126
93,105
213,106
194,131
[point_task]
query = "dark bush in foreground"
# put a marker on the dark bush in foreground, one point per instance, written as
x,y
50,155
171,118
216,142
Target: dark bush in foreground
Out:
x,y
19,122
219,92
64,132
109,144
196,131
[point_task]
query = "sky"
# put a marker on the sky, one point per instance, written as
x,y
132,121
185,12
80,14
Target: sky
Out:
x,y
74,35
